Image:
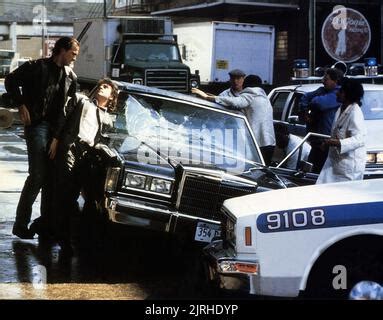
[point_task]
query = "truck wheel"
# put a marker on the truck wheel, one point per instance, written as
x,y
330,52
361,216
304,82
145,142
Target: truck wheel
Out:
x,y
339,269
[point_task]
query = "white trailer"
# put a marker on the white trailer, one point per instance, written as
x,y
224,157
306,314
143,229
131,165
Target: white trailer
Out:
x,y
214,48
98,36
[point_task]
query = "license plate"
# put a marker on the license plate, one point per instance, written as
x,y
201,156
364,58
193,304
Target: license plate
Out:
x,y
205,232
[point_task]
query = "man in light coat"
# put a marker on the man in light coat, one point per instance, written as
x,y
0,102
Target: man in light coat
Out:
x,y
237,78
346,159
255,104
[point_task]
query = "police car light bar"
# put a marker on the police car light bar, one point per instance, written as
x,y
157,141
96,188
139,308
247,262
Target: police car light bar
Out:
x,y
367,70
360,71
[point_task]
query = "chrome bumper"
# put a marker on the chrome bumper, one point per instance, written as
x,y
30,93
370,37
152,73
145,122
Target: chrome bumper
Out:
x,y
148,215
373,173
217,256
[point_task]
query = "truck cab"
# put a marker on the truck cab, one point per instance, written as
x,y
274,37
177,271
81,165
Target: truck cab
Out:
x,y
142,61
140,50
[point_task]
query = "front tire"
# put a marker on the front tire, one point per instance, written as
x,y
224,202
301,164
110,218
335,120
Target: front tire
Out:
x,y
340,268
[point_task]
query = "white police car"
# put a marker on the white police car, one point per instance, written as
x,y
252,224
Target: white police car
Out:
x,y
319,240
285,102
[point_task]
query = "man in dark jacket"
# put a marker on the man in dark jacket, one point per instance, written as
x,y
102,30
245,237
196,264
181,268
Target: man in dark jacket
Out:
x,y
45,86
318,109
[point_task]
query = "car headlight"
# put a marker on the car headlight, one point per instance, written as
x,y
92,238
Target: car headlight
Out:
x,y
375,158
194,83
234,266
137,81
135,181
379,158
371,157
161,186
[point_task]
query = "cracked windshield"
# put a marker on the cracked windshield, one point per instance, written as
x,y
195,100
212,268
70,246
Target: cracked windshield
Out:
x,y
161,131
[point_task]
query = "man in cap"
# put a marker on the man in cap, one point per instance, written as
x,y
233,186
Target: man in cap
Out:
x,y
255,105
237,77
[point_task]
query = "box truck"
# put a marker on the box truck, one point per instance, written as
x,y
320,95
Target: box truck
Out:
x,y
140,50
215,48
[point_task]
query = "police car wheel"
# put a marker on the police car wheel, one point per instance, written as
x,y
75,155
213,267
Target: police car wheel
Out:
x,y
340,268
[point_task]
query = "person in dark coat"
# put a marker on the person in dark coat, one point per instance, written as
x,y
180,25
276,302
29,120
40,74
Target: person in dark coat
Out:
x,y
318,109
39,89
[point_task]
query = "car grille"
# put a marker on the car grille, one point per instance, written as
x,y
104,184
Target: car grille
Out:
x,y
203,196
175,80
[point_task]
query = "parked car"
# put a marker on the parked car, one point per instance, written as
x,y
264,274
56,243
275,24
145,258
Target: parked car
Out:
x,y
317,240
178,158
285,102
9,116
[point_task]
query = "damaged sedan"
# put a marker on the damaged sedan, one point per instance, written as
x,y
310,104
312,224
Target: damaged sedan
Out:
x,y
177,159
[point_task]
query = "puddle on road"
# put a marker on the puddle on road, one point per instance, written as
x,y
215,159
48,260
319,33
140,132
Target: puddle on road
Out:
x,y
16,150
72,291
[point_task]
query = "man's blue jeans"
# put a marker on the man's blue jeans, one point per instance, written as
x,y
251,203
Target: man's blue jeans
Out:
x,y
37,138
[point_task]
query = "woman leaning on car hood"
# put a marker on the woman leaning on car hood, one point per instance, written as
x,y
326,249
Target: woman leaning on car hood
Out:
x,y
346,159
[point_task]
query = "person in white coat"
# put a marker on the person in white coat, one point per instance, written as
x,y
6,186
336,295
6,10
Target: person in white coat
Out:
x,y
346,159
255,104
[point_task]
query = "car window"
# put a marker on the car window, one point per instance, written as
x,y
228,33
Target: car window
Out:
x,y
372,105
278,103
183,132
294,106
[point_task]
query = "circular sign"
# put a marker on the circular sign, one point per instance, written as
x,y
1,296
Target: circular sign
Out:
x,y
346,34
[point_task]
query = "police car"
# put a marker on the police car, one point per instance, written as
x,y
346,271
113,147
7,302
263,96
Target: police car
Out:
x,y
285,102
315,241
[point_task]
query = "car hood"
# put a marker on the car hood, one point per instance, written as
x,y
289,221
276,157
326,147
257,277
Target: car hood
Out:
x,y
299,198
374,134
145,157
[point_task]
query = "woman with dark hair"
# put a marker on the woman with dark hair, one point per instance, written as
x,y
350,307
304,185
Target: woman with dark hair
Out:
x,y
346,159
78,149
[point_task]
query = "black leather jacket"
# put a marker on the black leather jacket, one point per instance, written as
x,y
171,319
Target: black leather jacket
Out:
x,y
32,78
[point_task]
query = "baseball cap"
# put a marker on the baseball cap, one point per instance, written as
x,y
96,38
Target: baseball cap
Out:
x,y
236,73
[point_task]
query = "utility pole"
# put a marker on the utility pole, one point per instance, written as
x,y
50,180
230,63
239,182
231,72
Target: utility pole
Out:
x,y
43,14
105,9
312,35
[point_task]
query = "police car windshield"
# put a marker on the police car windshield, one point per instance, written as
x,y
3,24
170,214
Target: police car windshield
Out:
x,y
372,105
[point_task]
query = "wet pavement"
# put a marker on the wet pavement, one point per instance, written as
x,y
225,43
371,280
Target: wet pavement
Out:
x,y
109,262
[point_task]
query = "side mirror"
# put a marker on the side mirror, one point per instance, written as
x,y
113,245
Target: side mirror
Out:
x,y
305,166
183,52
293,119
